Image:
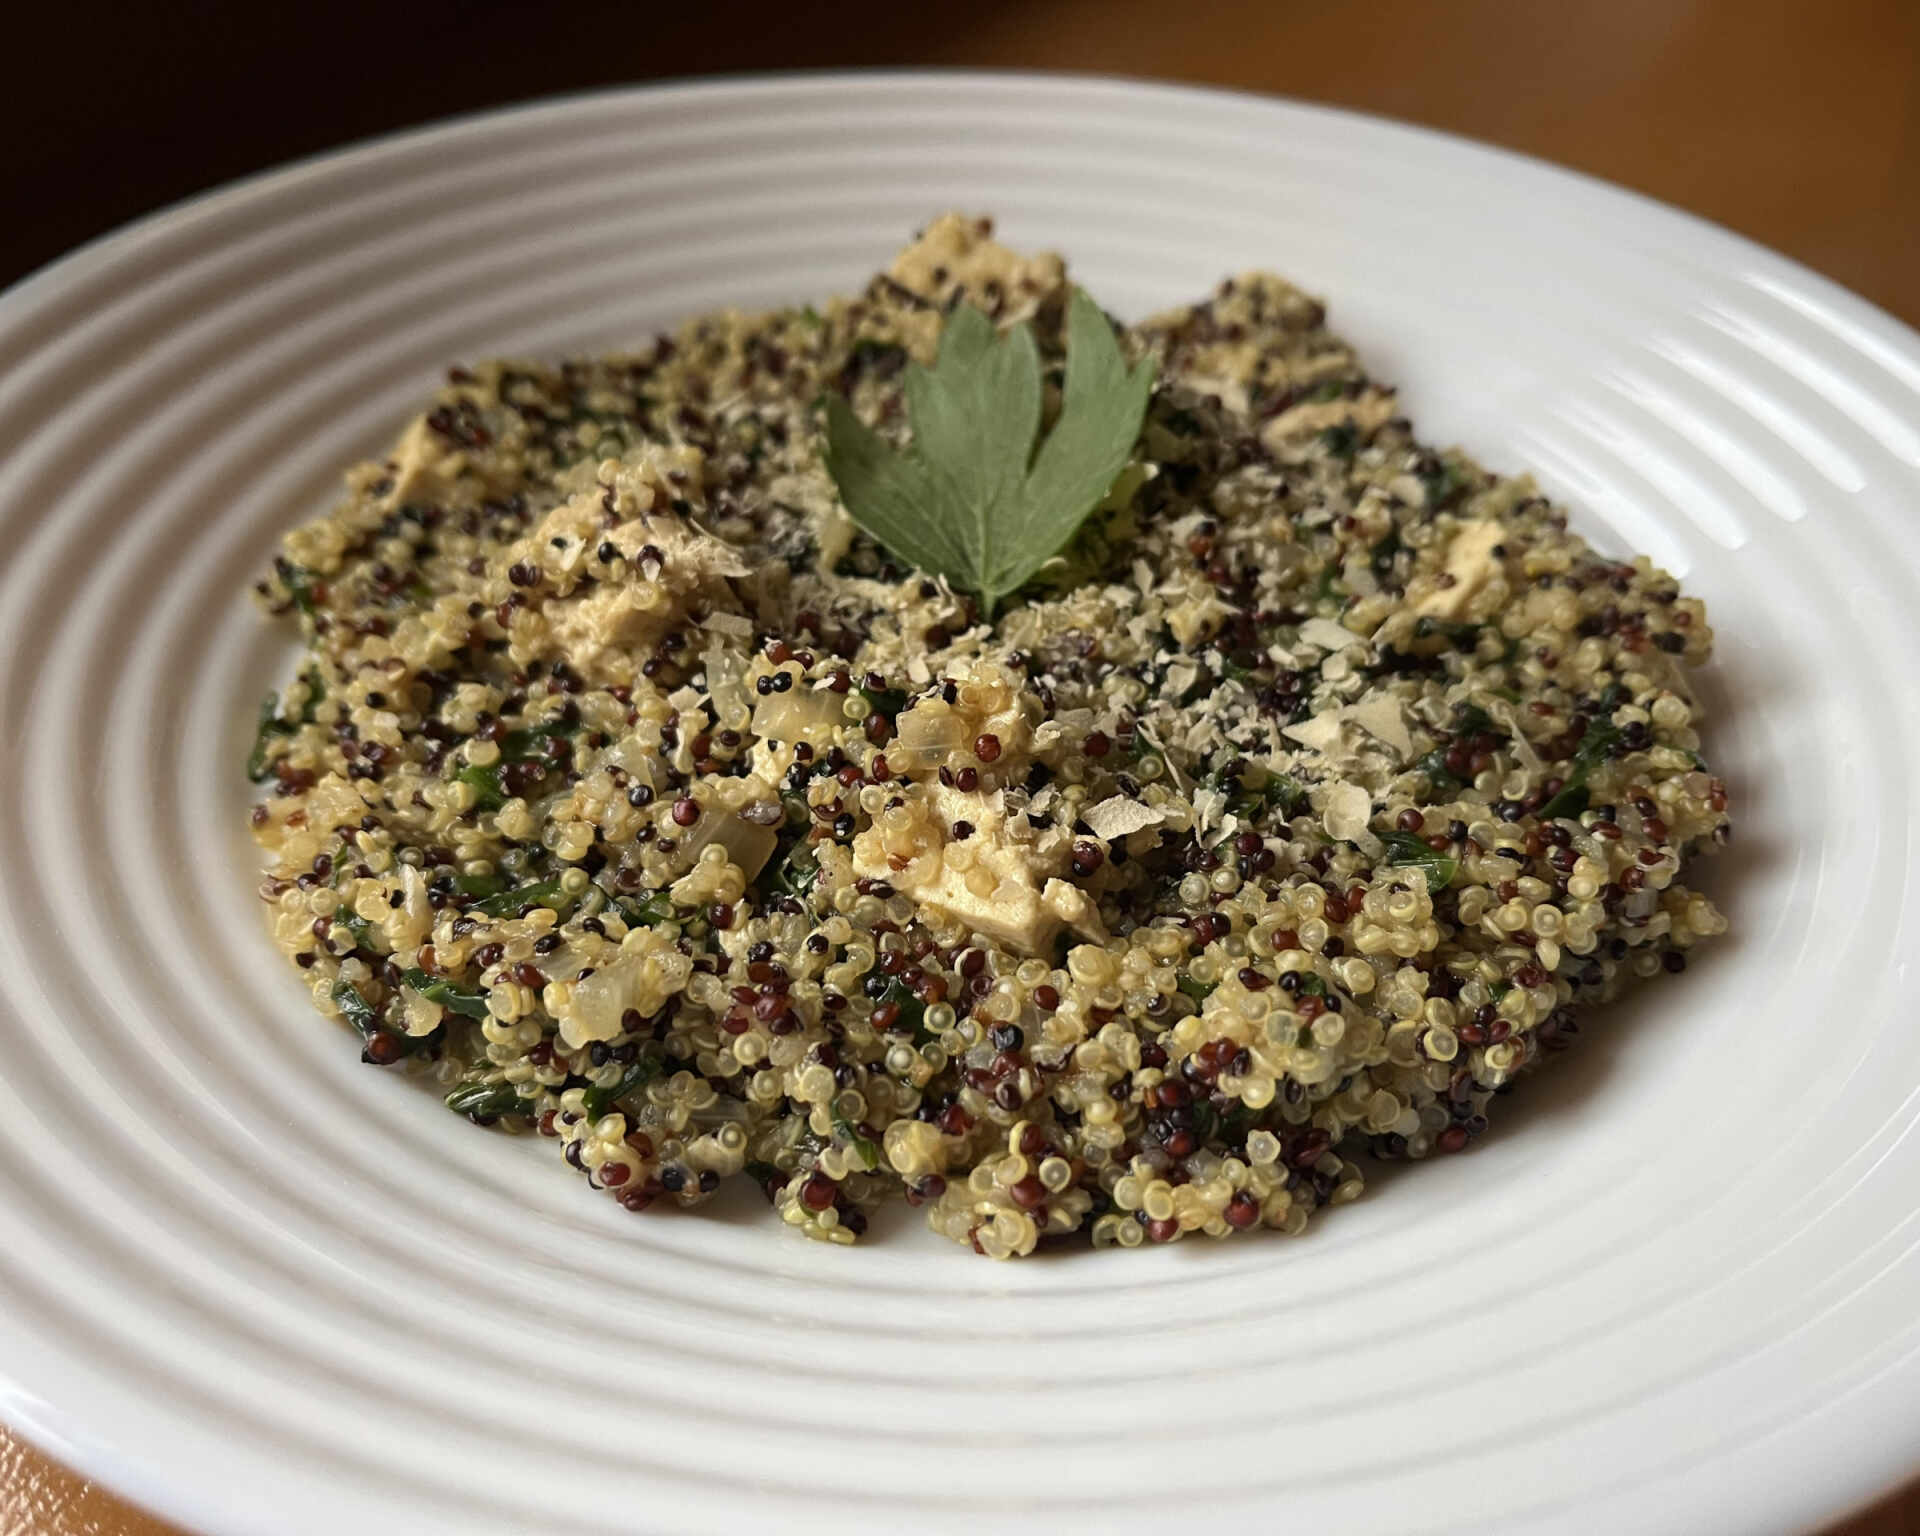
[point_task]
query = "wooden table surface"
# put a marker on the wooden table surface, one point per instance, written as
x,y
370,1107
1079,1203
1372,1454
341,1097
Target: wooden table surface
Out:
x,y
1796,122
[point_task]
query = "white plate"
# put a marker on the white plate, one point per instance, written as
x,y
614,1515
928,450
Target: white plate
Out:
x,y
261,1288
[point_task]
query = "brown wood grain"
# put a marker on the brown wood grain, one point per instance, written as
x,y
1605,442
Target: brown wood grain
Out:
x,y
1796,122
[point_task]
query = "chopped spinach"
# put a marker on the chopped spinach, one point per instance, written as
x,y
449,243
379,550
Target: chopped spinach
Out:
x,y
1281,793
1381,558
485,783
869,1153
913,1012
354,1008
595,1102
1600,742
644,911
1341,441
437,989
487,1100
1443,482
884,701
270,726
365,1018
1408,849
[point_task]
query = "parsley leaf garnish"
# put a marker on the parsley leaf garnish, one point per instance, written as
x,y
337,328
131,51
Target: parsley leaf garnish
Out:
x,y
972,499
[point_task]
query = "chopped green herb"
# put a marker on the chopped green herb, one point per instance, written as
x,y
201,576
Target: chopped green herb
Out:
x,y
794,872
913,1012
271,725
1280,793
437,989
485,783
487,1100
1381,557
354,1008
595,1102
1407,849
1341,441
1198,990
1472,720
1599,743
868,1152
645,911
1443,483
361,1014
884,701
542,893
300,583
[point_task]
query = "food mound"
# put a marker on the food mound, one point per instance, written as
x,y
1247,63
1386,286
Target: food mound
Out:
x,y
1080,778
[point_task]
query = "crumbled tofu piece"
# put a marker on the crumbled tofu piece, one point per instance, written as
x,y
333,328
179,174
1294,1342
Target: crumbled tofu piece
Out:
x,y
425,465
1193,619
1367,414
992,879
633,610
1469,562
1075,908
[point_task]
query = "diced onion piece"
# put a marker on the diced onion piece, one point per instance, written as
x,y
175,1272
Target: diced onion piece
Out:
x,y
927,737
795,715
642,979
747,845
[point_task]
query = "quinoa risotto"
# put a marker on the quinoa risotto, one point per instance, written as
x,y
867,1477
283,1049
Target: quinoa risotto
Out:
x,y
1316,788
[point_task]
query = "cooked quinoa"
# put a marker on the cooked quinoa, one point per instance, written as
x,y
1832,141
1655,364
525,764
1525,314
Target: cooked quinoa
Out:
x,y
1319,788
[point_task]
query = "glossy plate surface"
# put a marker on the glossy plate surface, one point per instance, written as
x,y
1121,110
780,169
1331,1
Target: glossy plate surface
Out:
x,y
260,1287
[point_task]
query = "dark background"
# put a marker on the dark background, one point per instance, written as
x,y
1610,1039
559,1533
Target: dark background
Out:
x,y
1796,122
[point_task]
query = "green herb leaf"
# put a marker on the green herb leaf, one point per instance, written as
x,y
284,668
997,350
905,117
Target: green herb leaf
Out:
x,y
1408,849
971,499
354,1008
913,1012
436,989
644,911
271,725
541,893
595,1102
868,1152
364,1017
485,782
1596,746
487,1101
1194,988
